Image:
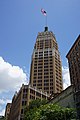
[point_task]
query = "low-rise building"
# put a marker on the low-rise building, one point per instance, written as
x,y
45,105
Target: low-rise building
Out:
x,y
7,111
65,98
22,99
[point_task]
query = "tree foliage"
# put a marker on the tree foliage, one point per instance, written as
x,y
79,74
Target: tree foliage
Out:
x,y
48,112
37,103
2,118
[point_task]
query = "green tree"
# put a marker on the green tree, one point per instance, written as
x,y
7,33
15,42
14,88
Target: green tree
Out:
x,y
2,118
30,110
37,103
48,112
56,112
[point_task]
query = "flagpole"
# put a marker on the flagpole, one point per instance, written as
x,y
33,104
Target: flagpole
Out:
x,y
45,14
46,20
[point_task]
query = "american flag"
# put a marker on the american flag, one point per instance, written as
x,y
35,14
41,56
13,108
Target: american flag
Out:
x,y
43,12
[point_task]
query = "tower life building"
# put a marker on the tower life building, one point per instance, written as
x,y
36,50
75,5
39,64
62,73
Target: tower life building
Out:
x,y
46,71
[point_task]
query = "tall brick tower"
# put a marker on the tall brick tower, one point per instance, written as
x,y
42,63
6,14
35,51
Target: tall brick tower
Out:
x,y
46,72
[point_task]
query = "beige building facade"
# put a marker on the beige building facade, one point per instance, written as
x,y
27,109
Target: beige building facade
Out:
x,y
22,99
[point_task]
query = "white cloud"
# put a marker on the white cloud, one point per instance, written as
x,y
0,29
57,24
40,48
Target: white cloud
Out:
x,y
11,77
1,102
66,77
4,101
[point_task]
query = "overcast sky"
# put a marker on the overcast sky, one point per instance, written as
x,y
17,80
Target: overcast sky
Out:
x,y
20,22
